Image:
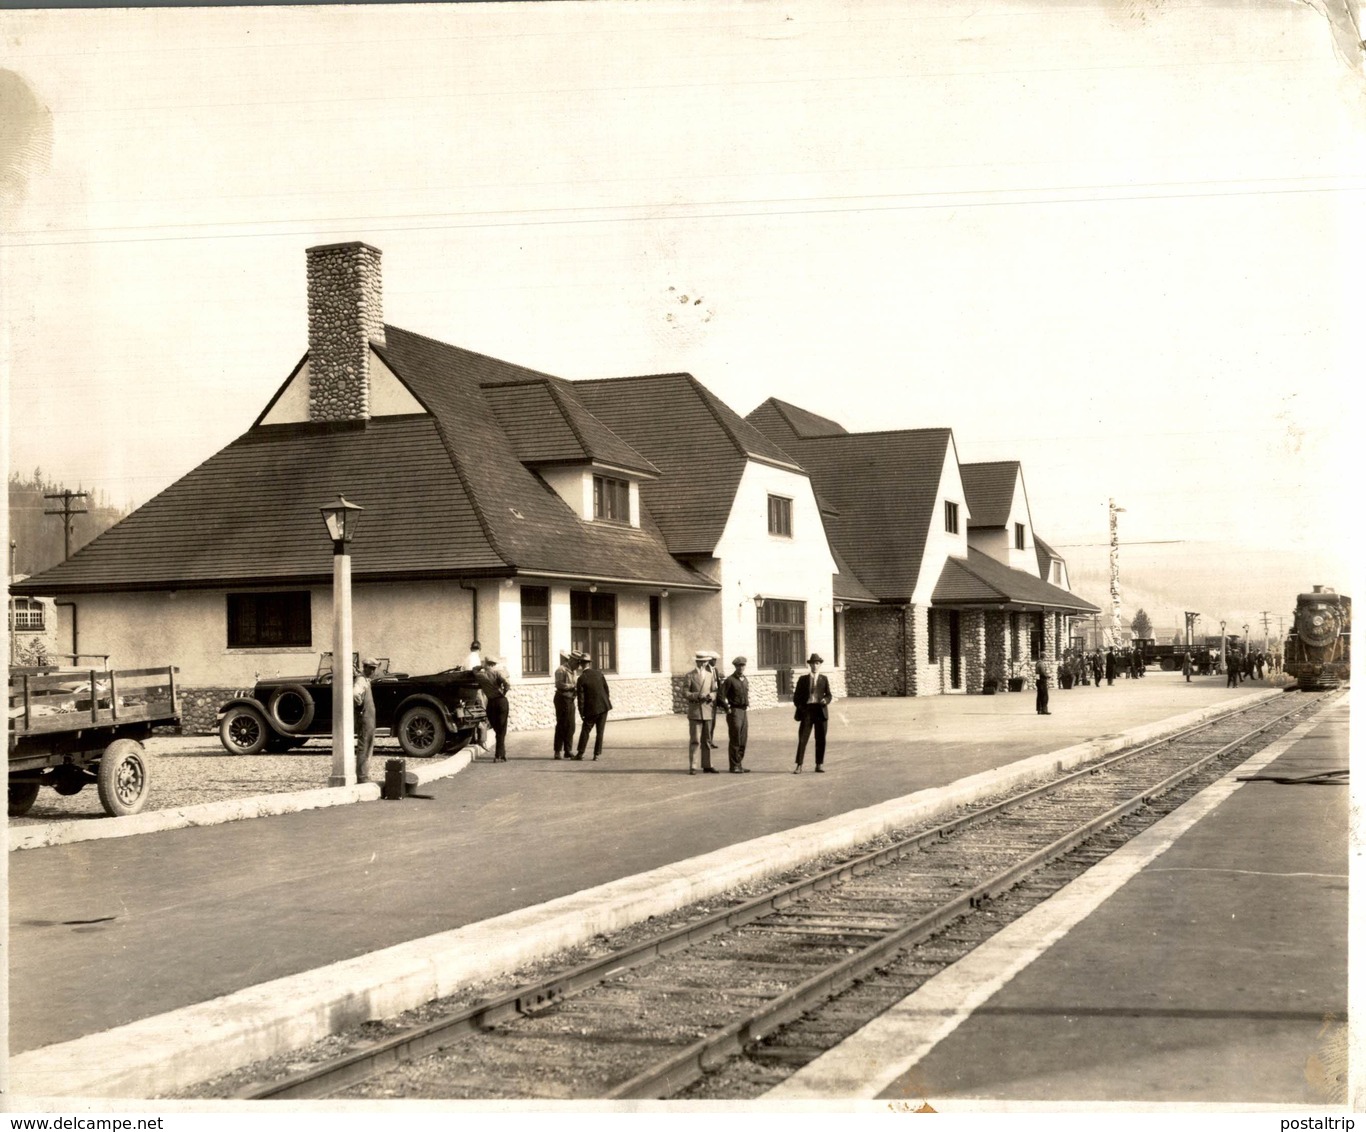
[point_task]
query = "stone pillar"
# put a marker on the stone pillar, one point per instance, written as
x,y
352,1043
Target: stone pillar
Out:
x,y
972,629
1050,645
345,311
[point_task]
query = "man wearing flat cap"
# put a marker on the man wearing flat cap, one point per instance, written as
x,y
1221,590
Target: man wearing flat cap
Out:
x,y
566,677
700,691
735,697
812,698
363,699
494,685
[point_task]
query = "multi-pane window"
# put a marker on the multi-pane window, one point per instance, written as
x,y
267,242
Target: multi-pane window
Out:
x,y
1019,536
275,620
26,615
611,499
593,627
1055,572
535,631
782,634
951,516
779,516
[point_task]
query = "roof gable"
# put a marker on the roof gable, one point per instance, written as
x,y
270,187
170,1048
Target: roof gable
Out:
x,y
990,491
980,579
801,423
547,425
699,444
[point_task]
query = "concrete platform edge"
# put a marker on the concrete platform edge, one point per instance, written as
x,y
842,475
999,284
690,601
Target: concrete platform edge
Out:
x,y
174,1050
216,813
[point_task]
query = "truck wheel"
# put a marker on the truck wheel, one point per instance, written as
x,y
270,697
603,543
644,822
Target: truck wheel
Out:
x,y
291,708
123,779
243,731
22,795
421,731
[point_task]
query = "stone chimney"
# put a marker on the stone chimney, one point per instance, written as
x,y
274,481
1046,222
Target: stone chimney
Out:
x,y
345,311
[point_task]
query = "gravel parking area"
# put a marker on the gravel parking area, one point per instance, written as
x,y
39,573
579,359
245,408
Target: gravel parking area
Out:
x,y
187,770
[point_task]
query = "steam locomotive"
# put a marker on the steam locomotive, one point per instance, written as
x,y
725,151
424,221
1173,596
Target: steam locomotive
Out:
x,y
1318,652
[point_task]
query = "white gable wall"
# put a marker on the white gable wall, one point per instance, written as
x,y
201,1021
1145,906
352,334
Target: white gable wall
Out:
x,y
752,562
999,542
389,397
940,545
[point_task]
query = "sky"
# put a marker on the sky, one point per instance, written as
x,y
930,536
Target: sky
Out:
x,y
1112,240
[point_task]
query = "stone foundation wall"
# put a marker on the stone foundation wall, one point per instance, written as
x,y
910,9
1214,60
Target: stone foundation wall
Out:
x,y
972,629
532,705
199,708
873,652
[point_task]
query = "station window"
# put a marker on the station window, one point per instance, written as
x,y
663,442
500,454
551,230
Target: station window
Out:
x,y
951,516
1019,536
26,615
1036,637
270,620
611,499
779,516
593,627
535,631
782,634
656,636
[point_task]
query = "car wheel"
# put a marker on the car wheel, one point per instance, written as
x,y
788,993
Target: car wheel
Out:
x,y
244,731
22,795
421,731
123,780
291,708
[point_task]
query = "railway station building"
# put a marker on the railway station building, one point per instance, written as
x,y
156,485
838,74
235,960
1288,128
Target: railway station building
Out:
x,y
638,519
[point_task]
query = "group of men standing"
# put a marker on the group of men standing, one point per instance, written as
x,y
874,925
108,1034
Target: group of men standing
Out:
x,y
578,683
707,695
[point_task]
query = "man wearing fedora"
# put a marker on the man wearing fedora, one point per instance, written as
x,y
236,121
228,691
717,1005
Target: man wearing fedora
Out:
x,y
812,697
735,700
566,677
700,691
594,703
363,700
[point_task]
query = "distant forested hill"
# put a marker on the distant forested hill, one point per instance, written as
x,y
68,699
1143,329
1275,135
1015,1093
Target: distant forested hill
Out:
x,y
39,537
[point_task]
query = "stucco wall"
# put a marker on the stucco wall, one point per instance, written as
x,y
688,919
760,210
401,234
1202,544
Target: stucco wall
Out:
x,y
754,563
939,543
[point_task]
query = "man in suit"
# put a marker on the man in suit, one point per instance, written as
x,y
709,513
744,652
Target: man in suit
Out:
x,y
495,688
735,697
812,697
594,704
1041,687
566,677
1234,666
700,692
1109,667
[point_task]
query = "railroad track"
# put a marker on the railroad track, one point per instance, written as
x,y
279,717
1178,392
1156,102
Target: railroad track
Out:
x,y
654,1020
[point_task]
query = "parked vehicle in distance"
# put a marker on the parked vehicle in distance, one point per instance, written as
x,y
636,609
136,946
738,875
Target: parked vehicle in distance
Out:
x,y
427,714
71,727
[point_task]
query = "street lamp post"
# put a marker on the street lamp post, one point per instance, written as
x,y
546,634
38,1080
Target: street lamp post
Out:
x,y
341,518
1223,647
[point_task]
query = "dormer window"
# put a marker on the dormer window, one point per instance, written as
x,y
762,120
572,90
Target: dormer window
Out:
x,y
611,499
779,516
1019,536
951,516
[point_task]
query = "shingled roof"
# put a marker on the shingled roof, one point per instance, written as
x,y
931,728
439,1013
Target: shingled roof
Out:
x,y
779,419
884,485
989,489
1045,555
699,444
980,579
445,495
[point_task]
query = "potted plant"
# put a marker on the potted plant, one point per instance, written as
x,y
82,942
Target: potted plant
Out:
x,y
1016,682
989,686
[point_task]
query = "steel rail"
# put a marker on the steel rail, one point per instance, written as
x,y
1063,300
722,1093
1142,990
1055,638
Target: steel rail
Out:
x,y
357,1066
692,1062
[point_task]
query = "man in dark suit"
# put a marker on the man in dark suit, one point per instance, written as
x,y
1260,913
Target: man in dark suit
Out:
x,y
1109,667
812,697
566,677
735,697
1041,687
594,704
495,688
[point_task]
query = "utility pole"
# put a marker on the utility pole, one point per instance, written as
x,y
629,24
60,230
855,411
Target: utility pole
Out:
x,y
1266,629
1191,619
67,514
1114,575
